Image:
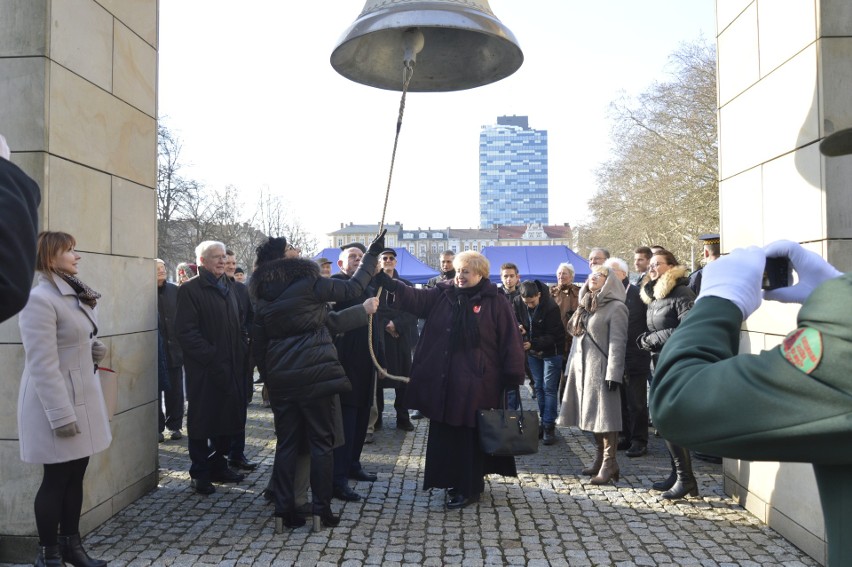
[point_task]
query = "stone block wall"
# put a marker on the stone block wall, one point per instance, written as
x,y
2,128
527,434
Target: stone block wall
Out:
x,y
78,81
785,82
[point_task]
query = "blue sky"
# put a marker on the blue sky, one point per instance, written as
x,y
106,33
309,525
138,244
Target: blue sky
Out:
x,y
252,95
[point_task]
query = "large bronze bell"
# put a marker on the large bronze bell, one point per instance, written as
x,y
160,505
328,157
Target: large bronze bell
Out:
x,y
461,45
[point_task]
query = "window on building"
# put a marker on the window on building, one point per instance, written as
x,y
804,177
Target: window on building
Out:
x,y
455,249
466,248
340,241
475,248
440,248
434,248
391,241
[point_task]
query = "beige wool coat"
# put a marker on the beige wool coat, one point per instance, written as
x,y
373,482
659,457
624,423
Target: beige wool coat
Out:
x,y
587,402
59,385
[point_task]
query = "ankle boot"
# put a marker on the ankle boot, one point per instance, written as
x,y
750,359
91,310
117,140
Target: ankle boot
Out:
x,y
685,483
609,468
549,437
663,485
49,556
74,554
593,469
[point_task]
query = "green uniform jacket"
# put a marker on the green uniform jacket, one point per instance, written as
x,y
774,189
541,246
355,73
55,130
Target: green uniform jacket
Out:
x,y
763,407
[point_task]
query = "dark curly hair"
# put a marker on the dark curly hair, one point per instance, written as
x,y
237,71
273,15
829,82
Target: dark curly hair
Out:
x,y
272,249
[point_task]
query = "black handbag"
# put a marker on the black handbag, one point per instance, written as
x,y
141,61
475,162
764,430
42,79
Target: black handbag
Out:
x,y
508,433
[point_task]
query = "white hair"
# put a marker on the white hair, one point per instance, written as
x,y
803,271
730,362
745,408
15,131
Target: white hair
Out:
x,y
618,264
202,249
566,266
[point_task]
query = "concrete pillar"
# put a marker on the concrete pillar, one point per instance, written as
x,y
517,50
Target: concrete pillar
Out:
x,y
78,106
785,82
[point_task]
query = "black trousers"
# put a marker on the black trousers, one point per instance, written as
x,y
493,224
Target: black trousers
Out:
x,y
171,402
296,420
399,395
208,456
347,458
634,407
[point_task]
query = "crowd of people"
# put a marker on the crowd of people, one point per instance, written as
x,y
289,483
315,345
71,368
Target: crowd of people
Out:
x,y
590,351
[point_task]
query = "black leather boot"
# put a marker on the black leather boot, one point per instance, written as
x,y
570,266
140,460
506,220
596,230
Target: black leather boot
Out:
x,y
664,485
685,483
74,554
549,437
49,556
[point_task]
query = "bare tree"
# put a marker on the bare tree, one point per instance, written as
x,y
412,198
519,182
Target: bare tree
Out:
x,y
662,185
189,213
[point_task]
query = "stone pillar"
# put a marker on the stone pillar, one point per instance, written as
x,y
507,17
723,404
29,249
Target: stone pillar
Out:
x,y
78,106
785,82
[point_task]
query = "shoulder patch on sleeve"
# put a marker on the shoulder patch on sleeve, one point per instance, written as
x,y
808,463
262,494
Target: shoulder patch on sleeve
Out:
x,y
803,349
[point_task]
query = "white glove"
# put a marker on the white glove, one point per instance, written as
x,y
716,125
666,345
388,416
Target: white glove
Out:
x,y
736,277
810,267
99,351
5,152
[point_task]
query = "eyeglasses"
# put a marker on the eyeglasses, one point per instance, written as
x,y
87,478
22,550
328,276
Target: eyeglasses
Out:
x,y
657,264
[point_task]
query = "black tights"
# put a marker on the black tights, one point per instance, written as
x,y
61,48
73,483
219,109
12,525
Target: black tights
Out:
x,y
59,500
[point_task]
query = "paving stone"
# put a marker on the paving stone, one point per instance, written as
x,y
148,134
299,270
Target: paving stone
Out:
x,y
548,516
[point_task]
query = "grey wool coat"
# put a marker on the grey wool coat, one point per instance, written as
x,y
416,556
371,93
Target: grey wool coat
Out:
x,y
59,385
597,356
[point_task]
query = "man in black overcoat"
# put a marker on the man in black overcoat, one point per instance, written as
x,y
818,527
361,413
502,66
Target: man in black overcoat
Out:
x,y
399,333
210,331
354,355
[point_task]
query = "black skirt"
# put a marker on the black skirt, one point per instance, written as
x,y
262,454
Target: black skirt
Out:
x,y
455,460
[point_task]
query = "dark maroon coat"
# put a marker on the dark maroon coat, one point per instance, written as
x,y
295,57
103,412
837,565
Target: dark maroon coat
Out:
x,y
449,386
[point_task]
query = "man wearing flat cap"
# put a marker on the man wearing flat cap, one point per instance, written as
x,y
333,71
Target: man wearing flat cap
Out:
x,y
792,403
324,266
711,252
399,334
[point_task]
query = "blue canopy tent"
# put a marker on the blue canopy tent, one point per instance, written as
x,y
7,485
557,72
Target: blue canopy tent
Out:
x,y
409,267
536,262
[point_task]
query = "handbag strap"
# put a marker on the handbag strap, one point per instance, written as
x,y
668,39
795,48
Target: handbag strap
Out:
x,y
520,407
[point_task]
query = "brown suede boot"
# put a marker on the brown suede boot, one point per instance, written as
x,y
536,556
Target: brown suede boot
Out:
x,y
593,469
609,468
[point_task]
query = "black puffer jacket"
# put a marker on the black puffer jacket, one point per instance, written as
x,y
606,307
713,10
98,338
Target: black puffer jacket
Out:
x,y
292,345
544,328
669,299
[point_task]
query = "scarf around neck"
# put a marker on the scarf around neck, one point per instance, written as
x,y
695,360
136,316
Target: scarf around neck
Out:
x,y
586,305
86,294
464,333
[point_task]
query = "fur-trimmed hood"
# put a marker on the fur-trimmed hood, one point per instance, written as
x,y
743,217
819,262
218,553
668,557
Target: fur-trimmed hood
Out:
x,y
661,287
270,279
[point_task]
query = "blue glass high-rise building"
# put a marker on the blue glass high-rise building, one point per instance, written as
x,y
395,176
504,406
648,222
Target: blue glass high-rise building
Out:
x,y
512,173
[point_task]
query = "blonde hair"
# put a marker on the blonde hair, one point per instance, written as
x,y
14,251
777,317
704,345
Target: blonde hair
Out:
x,y
474,261
50,245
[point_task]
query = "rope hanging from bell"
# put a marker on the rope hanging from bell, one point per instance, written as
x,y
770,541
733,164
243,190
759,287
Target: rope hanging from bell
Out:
x,y
413,44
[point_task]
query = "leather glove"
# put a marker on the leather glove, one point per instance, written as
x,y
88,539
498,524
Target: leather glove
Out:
x,y
385,281
378,244
67,430
810,267
5,152
611,386
736,277
99,351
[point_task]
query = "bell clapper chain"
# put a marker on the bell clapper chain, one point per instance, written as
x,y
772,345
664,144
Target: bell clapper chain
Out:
x,y
412,45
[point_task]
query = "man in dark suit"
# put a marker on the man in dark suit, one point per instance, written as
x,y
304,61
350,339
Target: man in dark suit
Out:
x,y
637,364
354,355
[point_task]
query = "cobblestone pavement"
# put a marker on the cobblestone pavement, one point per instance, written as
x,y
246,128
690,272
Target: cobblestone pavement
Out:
x,y
548,516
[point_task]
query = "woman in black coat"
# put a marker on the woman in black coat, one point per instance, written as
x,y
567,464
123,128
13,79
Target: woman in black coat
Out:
x,y
665,289
297,360
469,351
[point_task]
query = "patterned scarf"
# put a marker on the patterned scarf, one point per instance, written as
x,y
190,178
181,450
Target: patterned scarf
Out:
x,y
464,334
86,294
586,305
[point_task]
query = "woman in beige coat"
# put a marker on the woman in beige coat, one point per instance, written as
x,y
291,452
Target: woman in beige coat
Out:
x,y
62,417
592,401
